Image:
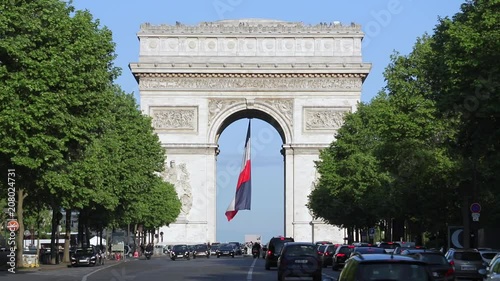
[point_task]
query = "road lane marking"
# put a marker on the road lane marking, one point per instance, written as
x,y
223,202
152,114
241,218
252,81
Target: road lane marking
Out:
x,y
84,278
250,271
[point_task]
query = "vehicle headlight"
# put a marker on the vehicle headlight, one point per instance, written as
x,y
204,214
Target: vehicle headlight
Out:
x,y
73,258
92,258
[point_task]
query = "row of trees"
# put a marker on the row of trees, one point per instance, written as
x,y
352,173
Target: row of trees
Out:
x,y
76,141
428,145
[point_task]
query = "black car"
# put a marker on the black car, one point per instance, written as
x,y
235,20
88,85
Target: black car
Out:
x,y
385,267
201,250
299,259
89,256
237,248
273,250
342,253
226,250
441,269
180,251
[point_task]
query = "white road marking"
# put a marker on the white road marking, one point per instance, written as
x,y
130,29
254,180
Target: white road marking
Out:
x,y
250,271
84,278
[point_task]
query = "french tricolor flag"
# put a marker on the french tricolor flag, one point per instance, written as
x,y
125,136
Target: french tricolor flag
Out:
x,y
243,197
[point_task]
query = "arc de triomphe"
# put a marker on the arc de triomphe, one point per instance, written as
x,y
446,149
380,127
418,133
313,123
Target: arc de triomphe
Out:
x,y
196,80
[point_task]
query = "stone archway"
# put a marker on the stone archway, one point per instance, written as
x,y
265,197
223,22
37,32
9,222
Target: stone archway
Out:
x,y
196,80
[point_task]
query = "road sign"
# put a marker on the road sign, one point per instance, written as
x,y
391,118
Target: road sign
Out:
x,y
12,225
371,231
475,208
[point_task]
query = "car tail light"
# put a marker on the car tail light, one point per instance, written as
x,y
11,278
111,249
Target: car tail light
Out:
x,y
340,255
450,272
269,252
326,254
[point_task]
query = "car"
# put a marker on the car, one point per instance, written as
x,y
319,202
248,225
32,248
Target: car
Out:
x,y
385,267
273,250
493,271
201,250
327,257
321,249
237,248
466,262
213,249
180,251
323,243
389,247
342,253
226,250
398,250
367,250
299,259
88,256
487,254
439,266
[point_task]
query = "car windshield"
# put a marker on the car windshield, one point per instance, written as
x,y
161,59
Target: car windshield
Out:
x,y
300,250
201,247
226,247
180,248
369,250
84,251
392,271
321,248
346,250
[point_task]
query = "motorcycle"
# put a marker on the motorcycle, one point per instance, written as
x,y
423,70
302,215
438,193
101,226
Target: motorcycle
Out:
x,y
255,253
148,254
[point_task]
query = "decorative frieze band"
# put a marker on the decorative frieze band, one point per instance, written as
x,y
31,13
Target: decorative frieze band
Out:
x,y
324,118
250,27
175,118
253,83
217,106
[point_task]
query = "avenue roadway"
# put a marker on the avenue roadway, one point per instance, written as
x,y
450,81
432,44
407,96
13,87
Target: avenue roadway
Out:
x,y
162,268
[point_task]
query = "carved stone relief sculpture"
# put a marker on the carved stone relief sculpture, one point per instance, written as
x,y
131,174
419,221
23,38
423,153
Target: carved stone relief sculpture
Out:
x,y
217,106
283,106
175,118
327,118
178,175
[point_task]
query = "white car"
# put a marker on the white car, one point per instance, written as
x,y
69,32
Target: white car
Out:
x,y
487,254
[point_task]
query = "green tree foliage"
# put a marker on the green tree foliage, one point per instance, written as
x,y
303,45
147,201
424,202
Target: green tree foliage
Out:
x,y
465,86
352,190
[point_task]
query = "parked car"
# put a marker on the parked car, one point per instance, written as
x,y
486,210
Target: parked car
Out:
x,y
299,259
385,267
89,256
273,250
466,262
441,269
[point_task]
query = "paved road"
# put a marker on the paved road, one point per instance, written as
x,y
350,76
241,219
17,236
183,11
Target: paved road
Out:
x,y
162,268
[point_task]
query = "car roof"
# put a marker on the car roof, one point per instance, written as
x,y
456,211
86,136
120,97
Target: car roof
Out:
x,y
374,258
288,244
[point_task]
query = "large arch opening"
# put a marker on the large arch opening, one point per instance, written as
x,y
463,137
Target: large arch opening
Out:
x,y
266,217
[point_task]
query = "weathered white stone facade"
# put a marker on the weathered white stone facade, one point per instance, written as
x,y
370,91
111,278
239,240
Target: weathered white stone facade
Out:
x,y
196,80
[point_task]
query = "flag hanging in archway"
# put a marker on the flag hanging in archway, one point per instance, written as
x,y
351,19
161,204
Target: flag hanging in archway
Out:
x,y
243,196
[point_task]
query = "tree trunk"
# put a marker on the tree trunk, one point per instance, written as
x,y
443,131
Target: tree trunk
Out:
x,y
20,232
53,241
398,229
67,236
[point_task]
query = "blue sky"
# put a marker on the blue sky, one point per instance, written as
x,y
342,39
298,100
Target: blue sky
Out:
x,y
389,25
